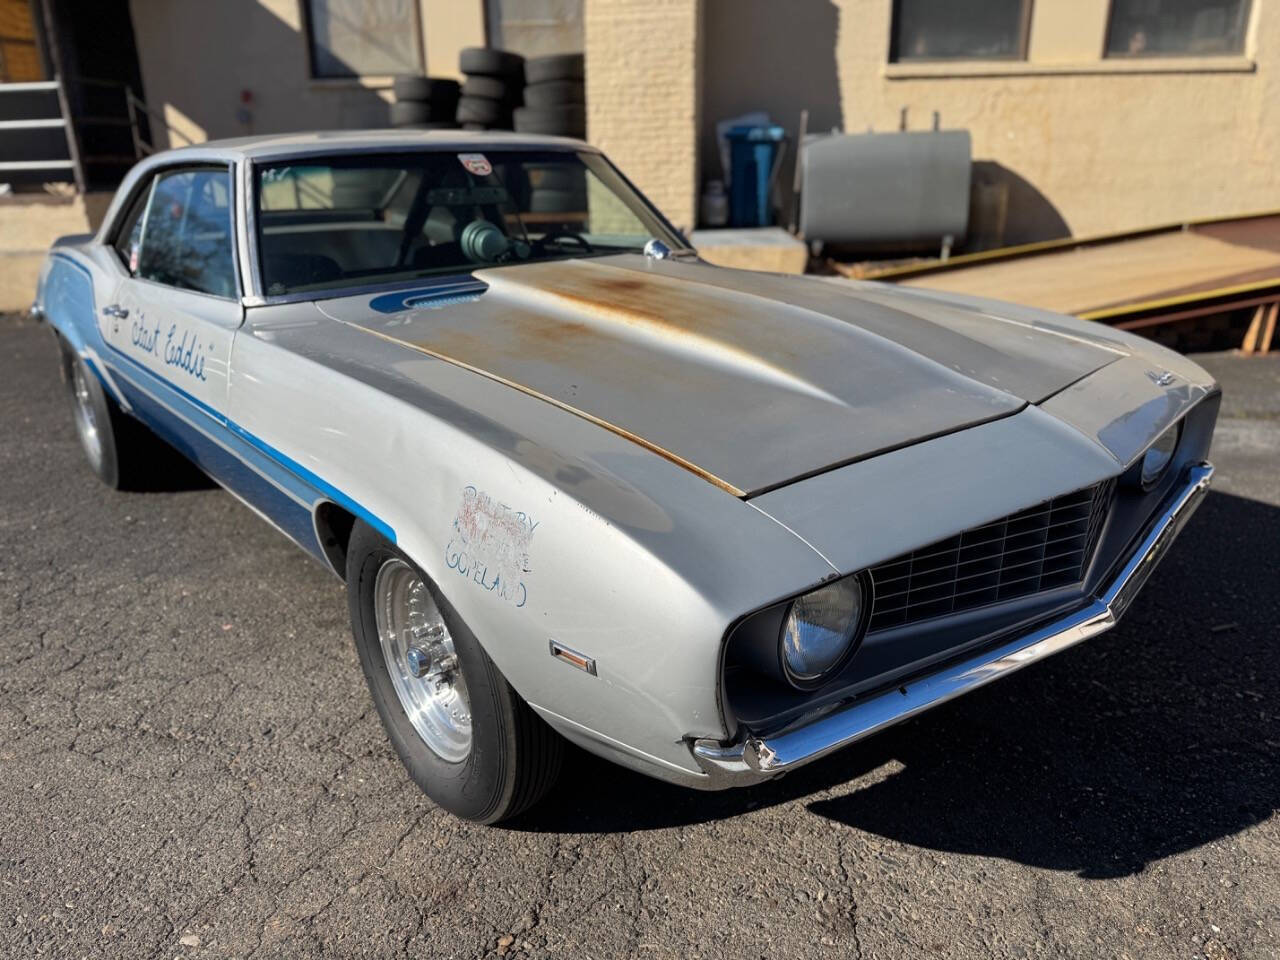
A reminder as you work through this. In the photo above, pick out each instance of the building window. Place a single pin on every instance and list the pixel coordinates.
(20, 59)
(959, 30)
(1156, 28)
(363, 38)
(535, 28)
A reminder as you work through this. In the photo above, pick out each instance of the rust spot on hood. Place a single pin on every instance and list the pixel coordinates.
(671, 315)
(568, 408)
(557, 332)
(632, 301)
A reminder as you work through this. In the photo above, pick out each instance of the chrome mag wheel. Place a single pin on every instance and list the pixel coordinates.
(86, 415)
(421, 661)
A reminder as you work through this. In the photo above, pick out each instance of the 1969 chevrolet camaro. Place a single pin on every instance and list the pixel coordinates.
(711, 524)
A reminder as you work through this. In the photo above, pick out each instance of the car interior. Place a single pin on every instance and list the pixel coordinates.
(329, 223)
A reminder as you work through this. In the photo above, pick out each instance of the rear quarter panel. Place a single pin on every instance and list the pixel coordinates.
(76, 278)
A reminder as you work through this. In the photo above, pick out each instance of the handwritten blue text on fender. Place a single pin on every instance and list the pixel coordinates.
(181, 350)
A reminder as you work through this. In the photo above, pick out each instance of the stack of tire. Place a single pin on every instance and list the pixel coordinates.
(491, 90)
(554, 97)
(424, 103)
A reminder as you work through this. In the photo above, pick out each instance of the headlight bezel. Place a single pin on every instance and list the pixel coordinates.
(1138, 474)
(855, 633)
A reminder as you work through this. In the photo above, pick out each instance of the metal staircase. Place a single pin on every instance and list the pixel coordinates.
(44, 140)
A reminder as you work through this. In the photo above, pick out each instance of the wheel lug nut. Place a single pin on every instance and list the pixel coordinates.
(418, 661)
(428, 634)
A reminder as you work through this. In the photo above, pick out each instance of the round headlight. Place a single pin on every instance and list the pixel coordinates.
(1158, 456)
(819, 631)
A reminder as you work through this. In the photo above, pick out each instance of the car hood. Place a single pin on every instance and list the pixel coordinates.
(750, 380)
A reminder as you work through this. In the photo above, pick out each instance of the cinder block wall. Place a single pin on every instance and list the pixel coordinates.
(29, 223)
(644, 77)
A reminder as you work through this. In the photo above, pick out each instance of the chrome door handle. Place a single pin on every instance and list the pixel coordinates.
(115, 310)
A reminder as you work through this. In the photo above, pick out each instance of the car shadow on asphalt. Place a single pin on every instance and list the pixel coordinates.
(1151, 740)
(168, 471)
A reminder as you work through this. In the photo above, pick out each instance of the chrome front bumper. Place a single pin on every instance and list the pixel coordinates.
(760, 757)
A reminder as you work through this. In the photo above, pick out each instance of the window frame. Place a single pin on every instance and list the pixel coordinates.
(143, 193)
(313, 74)
(1109, 26)
(1021, 56)
(147, 184)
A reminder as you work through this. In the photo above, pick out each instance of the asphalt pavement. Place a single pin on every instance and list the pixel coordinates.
(190, 765)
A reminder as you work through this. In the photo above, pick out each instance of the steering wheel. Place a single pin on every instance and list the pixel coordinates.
(552, 235)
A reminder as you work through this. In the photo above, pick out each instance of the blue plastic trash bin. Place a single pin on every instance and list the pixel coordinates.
(753, 150)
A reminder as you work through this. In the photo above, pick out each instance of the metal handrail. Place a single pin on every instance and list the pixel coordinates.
(134, 103)
(135, 108)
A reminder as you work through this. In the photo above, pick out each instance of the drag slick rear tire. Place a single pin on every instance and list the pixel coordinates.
(120, 450)
(462, 732)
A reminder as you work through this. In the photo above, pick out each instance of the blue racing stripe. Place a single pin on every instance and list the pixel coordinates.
(230, 469)
(328, 489)
(271, 480)
(316, 483)
(444, 293)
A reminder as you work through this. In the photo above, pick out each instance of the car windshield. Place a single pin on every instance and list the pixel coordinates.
(335, 222)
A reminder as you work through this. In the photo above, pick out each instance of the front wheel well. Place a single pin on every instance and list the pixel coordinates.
(333, 531)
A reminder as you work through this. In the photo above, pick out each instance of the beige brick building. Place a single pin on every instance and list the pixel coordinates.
(1089, 134)
(1089, 141)
(1091, 115)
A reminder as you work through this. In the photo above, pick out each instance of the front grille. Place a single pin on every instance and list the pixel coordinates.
(1037, 549)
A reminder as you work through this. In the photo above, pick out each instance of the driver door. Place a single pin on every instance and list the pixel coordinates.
(176, 312)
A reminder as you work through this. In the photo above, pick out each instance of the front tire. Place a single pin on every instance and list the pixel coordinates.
(465, 736)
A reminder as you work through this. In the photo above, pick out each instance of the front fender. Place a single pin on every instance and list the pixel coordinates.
(588, 539)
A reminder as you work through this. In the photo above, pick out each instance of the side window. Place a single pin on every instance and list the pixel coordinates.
(187, 242)
(128, 240)
(960, 30)
(1189, 28)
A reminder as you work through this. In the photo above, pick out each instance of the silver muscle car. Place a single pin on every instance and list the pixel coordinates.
(581, 485)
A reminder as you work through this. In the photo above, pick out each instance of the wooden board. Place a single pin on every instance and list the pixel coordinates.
(1121, 272)
(1262, 329)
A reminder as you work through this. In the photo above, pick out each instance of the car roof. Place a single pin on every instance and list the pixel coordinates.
(284, 145)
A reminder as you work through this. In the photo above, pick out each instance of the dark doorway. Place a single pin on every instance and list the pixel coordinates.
(91, 47)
